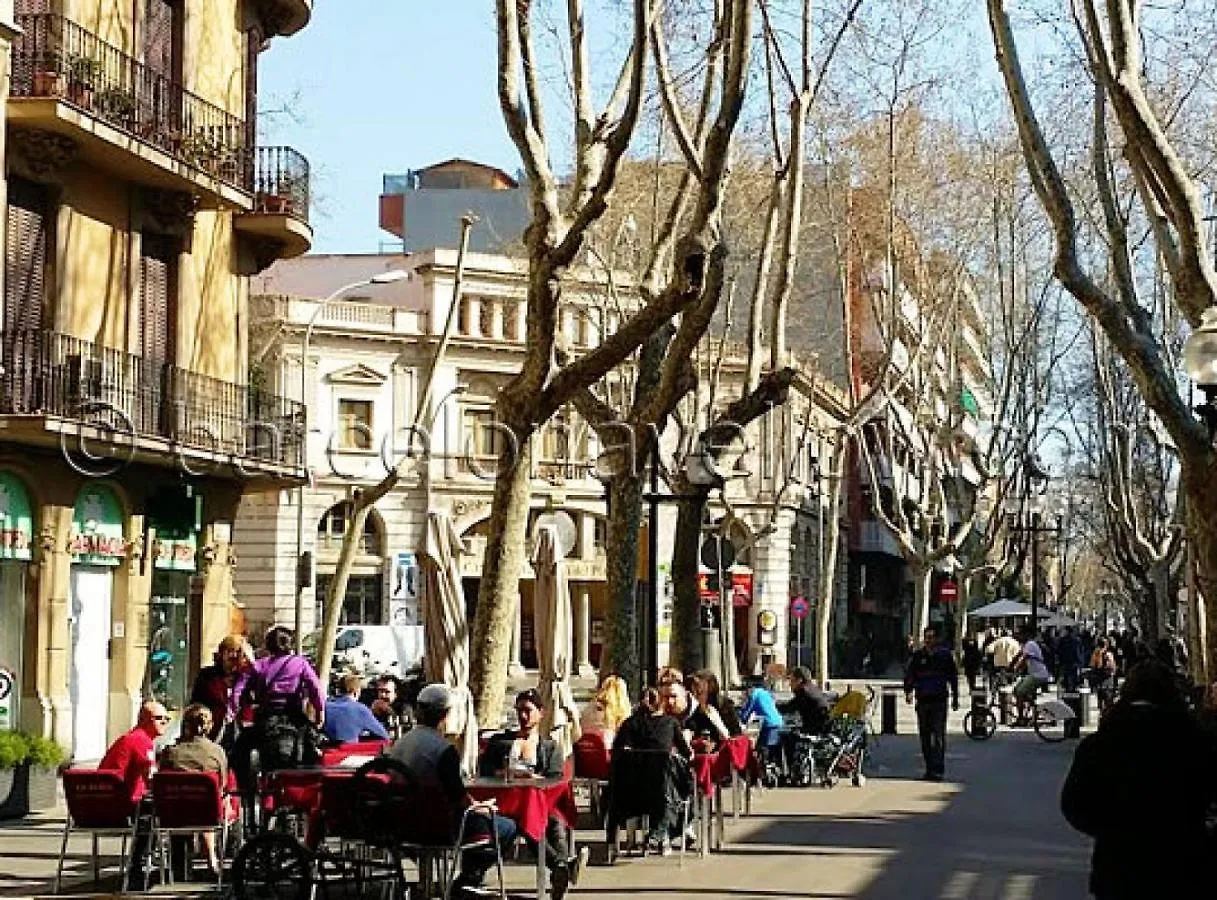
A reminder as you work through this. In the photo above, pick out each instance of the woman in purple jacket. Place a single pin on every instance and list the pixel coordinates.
(288, 705)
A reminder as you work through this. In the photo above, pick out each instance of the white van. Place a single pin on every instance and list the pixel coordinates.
(374, 649)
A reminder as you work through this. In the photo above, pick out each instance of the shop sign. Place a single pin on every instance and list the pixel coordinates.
(16, 519)
(177, 554)
(741, 589)
(97, 528)
(405, 589)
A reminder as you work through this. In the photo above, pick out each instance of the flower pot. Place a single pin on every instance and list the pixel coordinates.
(48, 84)
(15, 792)
(81, 95)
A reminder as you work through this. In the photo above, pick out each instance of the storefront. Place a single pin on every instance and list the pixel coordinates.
(16, 542)
(98, 546)
(167, 674)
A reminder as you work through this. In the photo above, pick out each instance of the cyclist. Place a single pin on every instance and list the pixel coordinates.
(1030, 661)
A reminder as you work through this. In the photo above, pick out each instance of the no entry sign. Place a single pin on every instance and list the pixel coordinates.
(948, 592)
(799, 607)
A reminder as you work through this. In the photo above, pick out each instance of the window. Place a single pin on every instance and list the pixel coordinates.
(482, 433)
(158, 265)
(355, 424)
(333, 527)
(362, 604)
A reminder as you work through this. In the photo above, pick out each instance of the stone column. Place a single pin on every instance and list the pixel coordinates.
(475, 316)
(515, 668)
(496, 318)
(582, 601)
(52, 715)
(521, 321)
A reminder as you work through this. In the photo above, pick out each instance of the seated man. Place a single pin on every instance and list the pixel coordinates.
(196, 752)
(434, 761)
(1030, 661)
(523, 753)
(346, 719)
(808, 701)
(133, 756)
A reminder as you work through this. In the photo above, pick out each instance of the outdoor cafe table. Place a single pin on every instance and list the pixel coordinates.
(731, 759)
(529, 803)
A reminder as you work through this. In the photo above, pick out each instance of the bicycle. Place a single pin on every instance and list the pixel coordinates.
(1049, 721)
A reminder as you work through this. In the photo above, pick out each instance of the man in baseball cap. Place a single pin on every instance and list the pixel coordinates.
(434, 761)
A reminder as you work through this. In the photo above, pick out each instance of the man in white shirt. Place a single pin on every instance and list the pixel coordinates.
(1004, 651)
(1031, 662)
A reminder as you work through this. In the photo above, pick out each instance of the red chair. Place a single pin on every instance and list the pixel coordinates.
(98, 803)
(187, 803)
(335, 756)
(593, 766)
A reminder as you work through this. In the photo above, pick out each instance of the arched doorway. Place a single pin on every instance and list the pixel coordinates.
(364, 603)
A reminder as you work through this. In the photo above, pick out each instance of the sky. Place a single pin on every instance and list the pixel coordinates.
(376, 87)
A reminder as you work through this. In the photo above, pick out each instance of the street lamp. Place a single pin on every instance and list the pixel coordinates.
(1035, 484)
(389, 277)
(1200, 364)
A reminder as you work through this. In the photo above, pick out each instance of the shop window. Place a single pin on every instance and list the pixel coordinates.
(333, 528)
(355, 424)
(363, 603)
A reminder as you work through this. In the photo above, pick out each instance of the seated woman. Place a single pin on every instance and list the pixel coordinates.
(608, 709)
(524, 753)
(713, 715)
(651, 728)
(760, 704)
(196, 752)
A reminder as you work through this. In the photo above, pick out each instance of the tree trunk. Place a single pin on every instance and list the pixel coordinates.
(338, 590)
(1201, 490)
(621, 653)
(729, 676)
(1160, 578)
(828, 567)
(961, 613)
(684, 645)
(921, 610)
(499, 592)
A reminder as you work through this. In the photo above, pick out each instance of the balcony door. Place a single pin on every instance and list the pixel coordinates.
(158, 267)
(162, 53)
(26, 280)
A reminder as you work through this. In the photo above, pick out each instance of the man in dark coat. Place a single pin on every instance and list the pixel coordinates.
(1069, 659)
(1148, 822)
(930, 677)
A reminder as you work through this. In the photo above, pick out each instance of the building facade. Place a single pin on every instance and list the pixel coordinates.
(365, 372)
(137, 206)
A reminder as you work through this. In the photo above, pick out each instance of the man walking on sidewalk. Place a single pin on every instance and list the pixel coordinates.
(930, 676)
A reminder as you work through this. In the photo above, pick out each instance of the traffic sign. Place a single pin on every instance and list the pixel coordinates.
(948, 592)
(710, 550)
(799, 607)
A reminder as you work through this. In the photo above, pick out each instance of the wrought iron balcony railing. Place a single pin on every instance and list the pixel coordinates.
(55, 57)
(281, 182)
(132, 397)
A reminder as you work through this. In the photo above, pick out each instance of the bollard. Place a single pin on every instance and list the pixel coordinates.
(980, 714)
(1007, 705)
(888, 716)
(1073, 727)
(1084, 719)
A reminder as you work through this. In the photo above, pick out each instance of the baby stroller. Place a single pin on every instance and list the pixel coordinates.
(796, 767)
(841, 752)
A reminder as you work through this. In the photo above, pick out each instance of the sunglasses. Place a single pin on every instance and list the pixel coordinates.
(160, 718)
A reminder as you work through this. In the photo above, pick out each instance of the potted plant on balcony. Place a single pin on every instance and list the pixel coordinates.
(48, 75)
(118, 106)
(83, 74)
(28, 773)
(201, 149)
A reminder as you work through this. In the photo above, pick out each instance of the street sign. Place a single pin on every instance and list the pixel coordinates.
(948, 592)
(710, 553)
(799, 607)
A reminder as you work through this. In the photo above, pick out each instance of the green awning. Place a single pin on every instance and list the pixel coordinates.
(968, 402)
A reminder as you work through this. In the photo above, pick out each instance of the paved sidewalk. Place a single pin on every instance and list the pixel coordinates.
(991, 832)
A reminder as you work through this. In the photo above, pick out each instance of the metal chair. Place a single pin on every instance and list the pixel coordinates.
(641, 785)
(98, 803)
(593, 767)
(187, 804)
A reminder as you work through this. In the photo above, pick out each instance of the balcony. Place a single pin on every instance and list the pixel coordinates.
(281, 202)
(874, 537)
(57, 390)
(124, 116)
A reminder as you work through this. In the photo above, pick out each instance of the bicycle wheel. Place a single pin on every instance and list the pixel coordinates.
(272, 866)
(986, 727)
(1049, 726)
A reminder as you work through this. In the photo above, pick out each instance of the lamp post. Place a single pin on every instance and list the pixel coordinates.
(389, 277)
(1035, 483)
(1200, 364)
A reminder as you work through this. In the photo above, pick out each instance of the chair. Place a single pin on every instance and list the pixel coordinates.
(100, 804)
(593, 768)
(642, 784)
(387, 798)
(334, 756)
(187, 803)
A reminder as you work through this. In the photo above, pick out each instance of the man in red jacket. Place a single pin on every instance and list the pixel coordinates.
(133, 756)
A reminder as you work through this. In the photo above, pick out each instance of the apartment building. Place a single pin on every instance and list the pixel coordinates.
(368, 359)
(138, 204)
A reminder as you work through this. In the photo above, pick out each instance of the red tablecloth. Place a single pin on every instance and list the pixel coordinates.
(702, 767)
(734, 755)
(529, 805)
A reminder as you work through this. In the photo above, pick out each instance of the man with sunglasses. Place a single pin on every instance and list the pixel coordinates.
(132, 756)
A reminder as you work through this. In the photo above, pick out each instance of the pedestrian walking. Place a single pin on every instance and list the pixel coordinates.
(930, 678)
(971, 661)
(1069, 659)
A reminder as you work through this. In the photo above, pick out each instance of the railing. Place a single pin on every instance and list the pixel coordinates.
(55, 57)
(281, 182)
(45, 373)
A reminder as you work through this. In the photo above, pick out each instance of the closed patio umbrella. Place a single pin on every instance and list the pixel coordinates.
(551, 604)
(446, 631)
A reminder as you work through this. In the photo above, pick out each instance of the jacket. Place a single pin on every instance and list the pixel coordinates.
(498, 752)
(932, 674)
(812, 707)
(1147, 822)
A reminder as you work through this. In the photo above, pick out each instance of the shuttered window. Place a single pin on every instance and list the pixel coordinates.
(26, 256)
(158, 296)
(162, 38)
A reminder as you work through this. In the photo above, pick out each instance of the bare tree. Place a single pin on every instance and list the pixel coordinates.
(1112, 37)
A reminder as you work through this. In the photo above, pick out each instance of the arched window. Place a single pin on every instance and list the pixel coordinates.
(332, 529)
